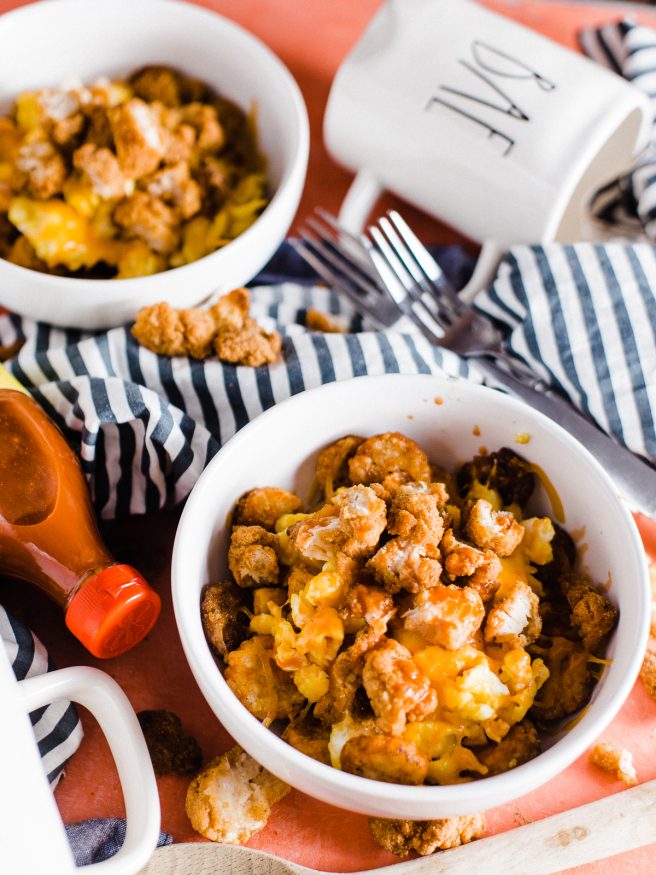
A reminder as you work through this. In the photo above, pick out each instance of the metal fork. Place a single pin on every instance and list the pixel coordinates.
(379, 275)
(389, 273)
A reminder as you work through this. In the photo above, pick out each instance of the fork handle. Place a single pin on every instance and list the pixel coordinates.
(635, 479)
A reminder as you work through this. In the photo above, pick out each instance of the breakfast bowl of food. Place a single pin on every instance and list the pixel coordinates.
(149, 151)
(410, 596)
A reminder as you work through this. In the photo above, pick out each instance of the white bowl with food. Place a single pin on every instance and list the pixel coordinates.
(113, 197)
(400, 693)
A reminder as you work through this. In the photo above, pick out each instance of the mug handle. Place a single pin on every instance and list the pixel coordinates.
(102, 696)
(358, 203)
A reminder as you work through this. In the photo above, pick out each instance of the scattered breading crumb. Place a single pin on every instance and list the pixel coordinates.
(616, 760)
(225, 328)
(426, 836)
(316, 320)
(648, 672)
(231, 798)
(169, 748)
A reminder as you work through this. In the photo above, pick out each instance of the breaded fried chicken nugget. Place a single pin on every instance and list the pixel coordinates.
(231, 799)
(426, 836)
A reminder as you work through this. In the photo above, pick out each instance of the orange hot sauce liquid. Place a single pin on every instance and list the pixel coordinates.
(49, 536)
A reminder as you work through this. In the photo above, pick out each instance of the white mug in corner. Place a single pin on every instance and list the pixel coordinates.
(32, 837)
(490, 127)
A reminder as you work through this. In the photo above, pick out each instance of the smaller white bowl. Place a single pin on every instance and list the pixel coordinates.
(44, 44)
(451, 420)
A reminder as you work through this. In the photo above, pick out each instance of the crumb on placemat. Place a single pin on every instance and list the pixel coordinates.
(617, 761)
(231, 799)
(400, 837)
(170, 748)
(316, 320)
(225, 329)
(648, 672)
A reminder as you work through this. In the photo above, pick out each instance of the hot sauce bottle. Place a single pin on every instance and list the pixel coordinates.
(49, 536)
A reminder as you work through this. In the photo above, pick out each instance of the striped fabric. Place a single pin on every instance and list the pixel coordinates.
(628, 203)
(584, 318)
(146, 425)
(57, 727)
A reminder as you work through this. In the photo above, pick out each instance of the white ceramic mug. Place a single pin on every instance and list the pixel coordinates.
(32, 837)
(492, 128)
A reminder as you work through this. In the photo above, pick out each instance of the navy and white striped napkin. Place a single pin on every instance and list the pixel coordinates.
(56, 727)
(629, 49)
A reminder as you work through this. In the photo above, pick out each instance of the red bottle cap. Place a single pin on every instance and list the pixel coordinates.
(113, 611)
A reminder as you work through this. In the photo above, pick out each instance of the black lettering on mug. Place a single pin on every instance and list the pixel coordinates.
(492, 131)
(496, 63)
(509, 107)
(514, 69)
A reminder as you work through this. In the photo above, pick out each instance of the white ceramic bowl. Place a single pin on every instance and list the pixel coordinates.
(45, 43)
(279, 448)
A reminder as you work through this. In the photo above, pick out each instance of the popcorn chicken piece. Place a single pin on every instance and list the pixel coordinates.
(137, 136)
(593, 616)
(352, 523)
(397, 689)
(569, 684)
(100, 166)
(616, 760)
(426, 836)
(262, 507)
(520, 745)
(416, 514)
(327, 323)
(231, 799)
(514, 619)
(332, 463)
(176, 187)
(203, 118)
(482, 567)
(231, 310)
(345, 678)
(388, 454)
(648, 672)
(252, 557)
(373, 605)
(403, 563)
(496, 530)
(99, 131)
(157, 83)
(446, 615)
(310, 736)
(167, 331)
(251, 345)
(224, 622)
(384, 758)
(66, 131)
(260, 685)
(149, 219)
(43, 168)
(178, 141)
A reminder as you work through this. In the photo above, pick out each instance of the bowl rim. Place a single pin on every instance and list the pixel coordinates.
(507, 785)
(298, 163)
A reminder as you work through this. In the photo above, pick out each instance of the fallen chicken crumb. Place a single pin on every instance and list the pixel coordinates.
(617, 761)
(648, 672)
(225, 329)
(426, 836)
(170, 749)
(231, 798)
(316, 320)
